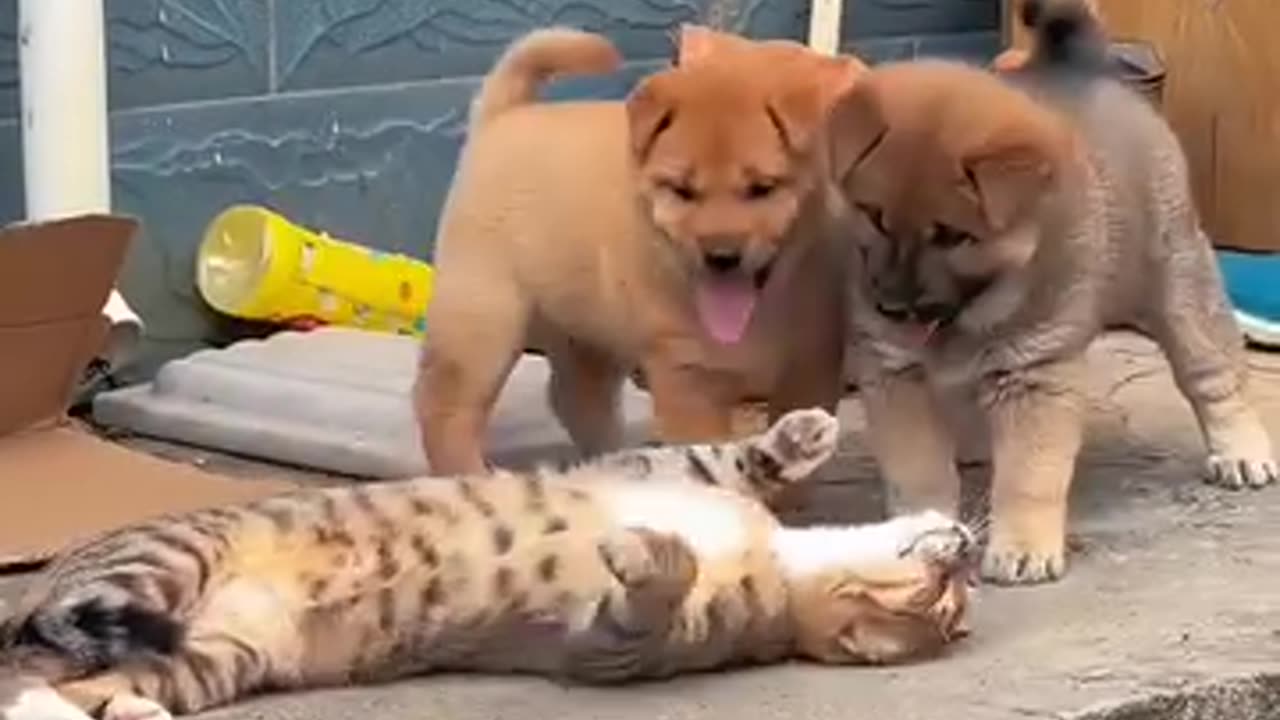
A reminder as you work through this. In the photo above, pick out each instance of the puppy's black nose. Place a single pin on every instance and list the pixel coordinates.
(722, 261)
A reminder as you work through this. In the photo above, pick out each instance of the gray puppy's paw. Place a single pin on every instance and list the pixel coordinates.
(1237, 473)
(1240, 453)
(1004, 565)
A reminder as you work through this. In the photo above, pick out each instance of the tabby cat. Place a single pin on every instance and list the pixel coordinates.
(640, 564)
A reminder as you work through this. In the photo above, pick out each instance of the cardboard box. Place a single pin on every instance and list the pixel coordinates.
(58, 482)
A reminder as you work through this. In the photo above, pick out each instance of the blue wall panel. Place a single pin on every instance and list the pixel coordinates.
(11, 197)
(170, 51)
(8, 59)
(329, 43)
(348, 114)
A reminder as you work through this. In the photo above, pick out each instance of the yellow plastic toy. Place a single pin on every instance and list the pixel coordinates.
(255, 264)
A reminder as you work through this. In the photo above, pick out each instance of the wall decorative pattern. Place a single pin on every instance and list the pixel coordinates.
(348, 114)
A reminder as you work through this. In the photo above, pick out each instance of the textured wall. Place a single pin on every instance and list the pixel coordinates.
(347, 114)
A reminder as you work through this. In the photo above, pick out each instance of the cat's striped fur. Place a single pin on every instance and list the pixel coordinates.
(640, 564)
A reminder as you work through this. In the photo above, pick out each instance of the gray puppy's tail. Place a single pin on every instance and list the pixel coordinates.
(1068, 35)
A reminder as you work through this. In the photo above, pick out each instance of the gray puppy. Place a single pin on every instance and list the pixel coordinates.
(1001, 227)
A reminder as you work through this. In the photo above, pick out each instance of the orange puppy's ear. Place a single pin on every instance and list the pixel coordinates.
(796, 114)
(837, 76)
(800, 110)
(1010, 60)
(1008, 179)
(699, 42)
(650, 109)
(856, 126)
(696, 42)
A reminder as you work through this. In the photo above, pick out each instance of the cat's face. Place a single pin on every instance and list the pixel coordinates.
(873, 623)
(895, 609)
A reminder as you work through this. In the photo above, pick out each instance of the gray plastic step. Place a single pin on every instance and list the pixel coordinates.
(333, 399)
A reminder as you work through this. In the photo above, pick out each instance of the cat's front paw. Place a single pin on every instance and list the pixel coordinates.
(132, 707)
(800, 441)
(21, 699)
(936, 539)
(647, 561)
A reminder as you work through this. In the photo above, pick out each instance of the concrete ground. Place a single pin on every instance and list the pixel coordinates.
(1169, 610)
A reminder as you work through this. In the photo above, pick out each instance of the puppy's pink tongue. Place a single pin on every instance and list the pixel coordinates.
(922, 333)
(725, 306)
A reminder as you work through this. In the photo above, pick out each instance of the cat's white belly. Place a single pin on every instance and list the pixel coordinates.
(711, 522)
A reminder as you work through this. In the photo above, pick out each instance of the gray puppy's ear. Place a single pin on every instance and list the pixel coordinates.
(856, 126)
(1008, 178)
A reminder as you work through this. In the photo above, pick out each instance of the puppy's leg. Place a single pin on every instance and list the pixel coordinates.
(912, 443)
(586, 394)
(690, 404)
(474, 335)
(813, 359)
(817, 381)
(1037, 422)
(1194, 326)
(750, 418)
(806, 384)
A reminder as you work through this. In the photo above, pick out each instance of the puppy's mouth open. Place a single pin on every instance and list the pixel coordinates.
(925, 323)
(922, 323)
(921, 326)
(925, 331)
(726, 302)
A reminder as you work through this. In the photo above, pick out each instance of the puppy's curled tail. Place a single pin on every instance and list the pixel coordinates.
(533, 60)
(1068, 34)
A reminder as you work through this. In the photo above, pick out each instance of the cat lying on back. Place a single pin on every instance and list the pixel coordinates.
(641, 564)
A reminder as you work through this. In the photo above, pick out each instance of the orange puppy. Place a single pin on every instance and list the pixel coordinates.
(682, 233)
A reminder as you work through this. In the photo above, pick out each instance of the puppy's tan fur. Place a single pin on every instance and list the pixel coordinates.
(579, 228)
(1000, 230)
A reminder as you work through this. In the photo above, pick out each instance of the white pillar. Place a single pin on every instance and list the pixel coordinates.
(62, 56)
(66, 152)
(824, 25)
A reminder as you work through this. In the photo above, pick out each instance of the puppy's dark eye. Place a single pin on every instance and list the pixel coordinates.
(682, 190)
(945, 237)
(875, 215)
(761, 189)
